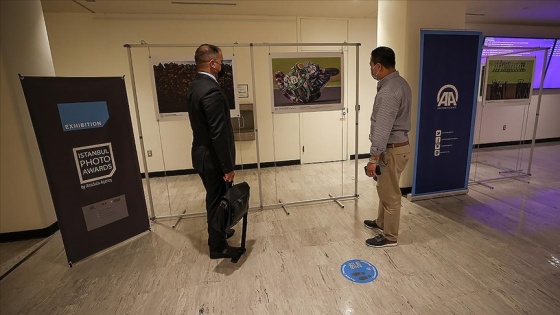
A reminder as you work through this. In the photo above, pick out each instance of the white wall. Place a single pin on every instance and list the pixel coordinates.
(519, 120)
(26, 202)
(92, 45)
(491, 119)
(364, 32)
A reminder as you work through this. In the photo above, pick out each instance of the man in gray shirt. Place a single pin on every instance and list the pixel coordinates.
(390, 149)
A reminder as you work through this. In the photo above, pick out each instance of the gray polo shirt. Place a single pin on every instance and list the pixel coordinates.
(390, 119)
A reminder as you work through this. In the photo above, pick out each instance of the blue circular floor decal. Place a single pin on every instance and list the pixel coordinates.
(359, 271)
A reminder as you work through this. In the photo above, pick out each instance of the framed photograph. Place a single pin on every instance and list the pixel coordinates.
(171, 78)
(307, 82)
(508, 80)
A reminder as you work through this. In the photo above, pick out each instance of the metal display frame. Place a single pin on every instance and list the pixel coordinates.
(507, 173)
(261, 206)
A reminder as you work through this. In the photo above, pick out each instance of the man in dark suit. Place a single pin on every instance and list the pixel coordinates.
(213, 147)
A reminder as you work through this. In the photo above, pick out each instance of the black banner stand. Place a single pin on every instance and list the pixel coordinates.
(85, 137)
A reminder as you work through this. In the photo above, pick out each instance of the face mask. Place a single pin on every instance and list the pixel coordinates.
(375, 76)
(222, 71)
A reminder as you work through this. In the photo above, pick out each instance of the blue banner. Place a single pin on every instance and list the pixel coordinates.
(84, 115)
(449, 74)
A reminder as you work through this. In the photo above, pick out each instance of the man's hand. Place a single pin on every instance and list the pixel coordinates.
(229, 176)
(370, 169)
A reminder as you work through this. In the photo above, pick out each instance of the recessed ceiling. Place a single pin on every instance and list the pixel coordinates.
(517, 12)
(342, 8)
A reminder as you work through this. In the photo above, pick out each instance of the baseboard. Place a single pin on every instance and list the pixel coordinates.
(170, 173)
(483, 145)
(360, 156)
(268, 164)
(405, 191)
(509, 143)
(28, 235)
(237, 167)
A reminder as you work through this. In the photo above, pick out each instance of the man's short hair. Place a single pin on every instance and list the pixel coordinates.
(205, 53)
(385, 56)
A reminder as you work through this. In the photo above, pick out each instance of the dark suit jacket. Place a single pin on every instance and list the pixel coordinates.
(213, 147)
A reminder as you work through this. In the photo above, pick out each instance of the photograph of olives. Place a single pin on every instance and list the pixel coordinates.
(172, 80)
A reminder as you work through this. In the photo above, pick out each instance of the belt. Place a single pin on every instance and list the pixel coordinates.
(396, 145)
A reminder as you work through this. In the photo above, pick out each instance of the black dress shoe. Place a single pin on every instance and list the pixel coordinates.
(229, 233)
(228, 252)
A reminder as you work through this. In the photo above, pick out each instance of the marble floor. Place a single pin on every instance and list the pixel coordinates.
(495, 250)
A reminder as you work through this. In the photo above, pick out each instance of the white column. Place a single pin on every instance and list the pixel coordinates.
(26, 203)
(398, 26)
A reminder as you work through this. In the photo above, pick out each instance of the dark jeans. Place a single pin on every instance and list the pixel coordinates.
(215, 189)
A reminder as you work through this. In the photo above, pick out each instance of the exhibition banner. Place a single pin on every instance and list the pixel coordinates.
(449, 74)
(509, 80)
(85, 137)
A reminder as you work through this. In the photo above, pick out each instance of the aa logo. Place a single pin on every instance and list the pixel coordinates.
(447, 97)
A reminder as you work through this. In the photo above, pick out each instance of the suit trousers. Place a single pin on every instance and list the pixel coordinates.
(215, 189)
(391, 163)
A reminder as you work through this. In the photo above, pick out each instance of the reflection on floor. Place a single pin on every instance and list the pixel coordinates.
(493, 251)
(174, 194)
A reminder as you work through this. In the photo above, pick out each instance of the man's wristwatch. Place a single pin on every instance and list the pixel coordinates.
(374, 161)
